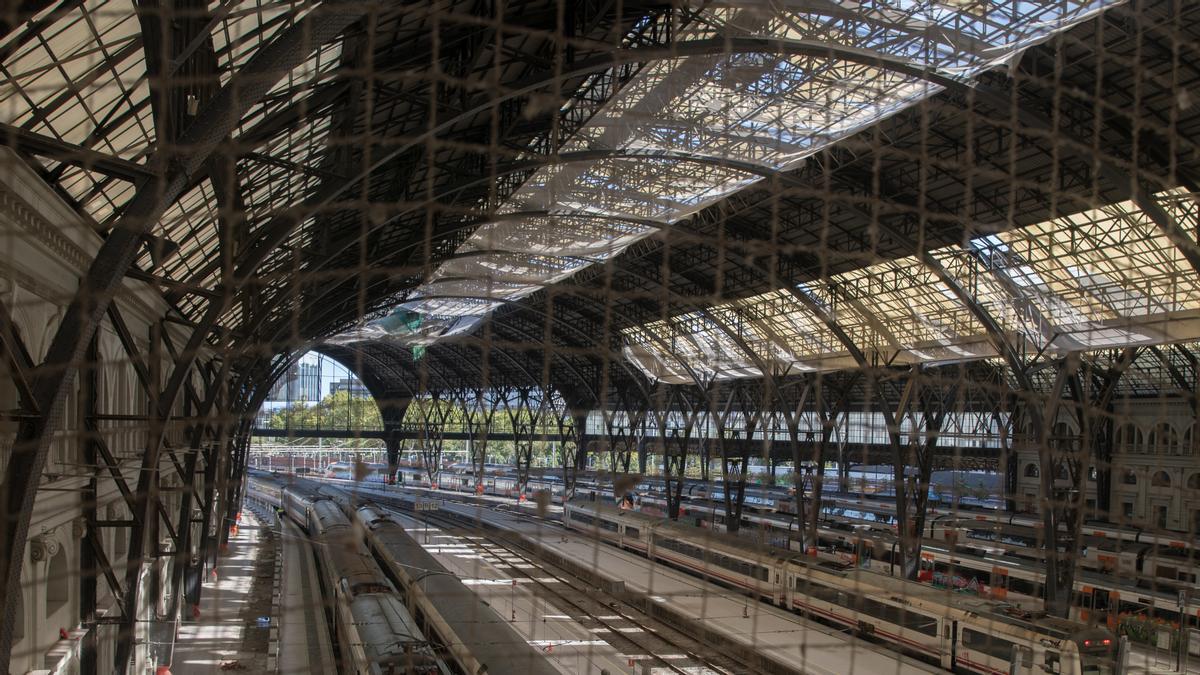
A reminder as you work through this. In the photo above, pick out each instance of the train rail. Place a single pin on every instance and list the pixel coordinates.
(382, 626)
(972, 550)
(650, 638)
(774, 639)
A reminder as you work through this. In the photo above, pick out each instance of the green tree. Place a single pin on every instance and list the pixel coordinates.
(338, 411)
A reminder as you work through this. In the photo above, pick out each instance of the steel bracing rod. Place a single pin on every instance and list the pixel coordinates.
(188, 475)
(89, 571)
(148, 507)
(55, 376)
(77, 155)
(189, 389)
(147, 504)
(130, 346)
(1181, 381)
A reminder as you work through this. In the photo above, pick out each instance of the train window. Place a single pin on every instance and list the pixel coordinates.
(582, 518)
(898, 616)
(608, 525)
(632, 531)
(987, 644)
(818, 591)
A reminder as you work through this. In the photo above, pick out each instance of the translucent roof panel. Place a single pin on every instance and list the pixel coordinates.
(688, 131)
(575, 236)
(191, 224)
(248, 25)
(1105, 277)
(82, 80)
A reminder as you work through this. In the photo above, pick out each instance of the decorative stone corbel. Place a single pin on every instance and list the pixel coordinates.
(44, 546)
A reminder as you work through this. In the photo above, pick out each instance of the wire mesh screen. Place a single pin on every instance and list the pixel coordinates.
(599, 336)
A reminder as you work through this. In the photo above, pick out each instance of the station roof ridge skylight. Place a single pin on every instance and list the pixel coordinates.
(747, 108)
(1102, 278)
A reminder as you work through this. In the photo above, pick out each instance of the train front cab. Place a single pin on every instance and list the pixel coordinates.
(980, 649)
(1097, 651)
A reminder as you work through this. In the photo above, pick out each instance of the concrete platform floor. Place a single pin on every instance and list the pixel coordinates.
(226, 638)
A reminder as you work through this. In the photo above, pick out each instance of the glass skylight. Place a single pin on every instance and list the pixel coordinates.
(1104, 277)
(692, 130)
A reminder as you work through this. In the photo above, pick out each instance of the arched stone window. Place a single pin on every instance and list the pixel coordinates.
(1194, 481)
(1165, 439)
(1129, 436)
(1160, 479)
(1130, 478)
(1031, 470)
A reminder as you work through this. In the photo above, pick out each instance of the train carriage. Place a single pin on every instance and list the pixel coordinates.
(375, 632)
(952, 630)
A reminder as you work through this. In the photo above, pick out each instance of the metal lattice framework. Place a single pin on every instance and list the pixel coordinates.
(716, 229)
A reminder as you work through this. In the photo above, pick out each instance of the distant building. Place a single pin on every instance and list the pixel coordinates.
(350, 384)
(308, 382)
(301, 382)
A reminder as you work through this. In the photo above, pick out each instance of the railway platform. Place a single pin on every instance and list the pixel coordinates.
(225, 636)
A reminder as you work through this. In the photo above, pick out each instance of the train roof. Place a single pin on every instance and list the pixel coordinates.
(662, 526)
(900, 590)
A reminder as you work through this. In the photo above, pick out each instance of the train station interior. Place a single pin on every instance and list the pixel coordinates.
(599, 336)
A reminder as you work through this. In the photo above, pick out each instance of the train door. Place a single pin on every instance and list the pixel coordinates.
(1085, 603)
(949, 644)
(1112, 608)
(864, 551)
(925, 574)
(999, 583)
(1098, 605)
(781, 585)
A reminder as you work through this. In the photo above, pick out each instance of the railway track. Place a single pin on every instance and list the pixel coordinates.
(600, 609)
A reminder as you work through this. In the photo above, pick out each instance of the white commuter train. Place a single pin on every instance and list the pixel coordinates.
(1109, 582)
(955, 631)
